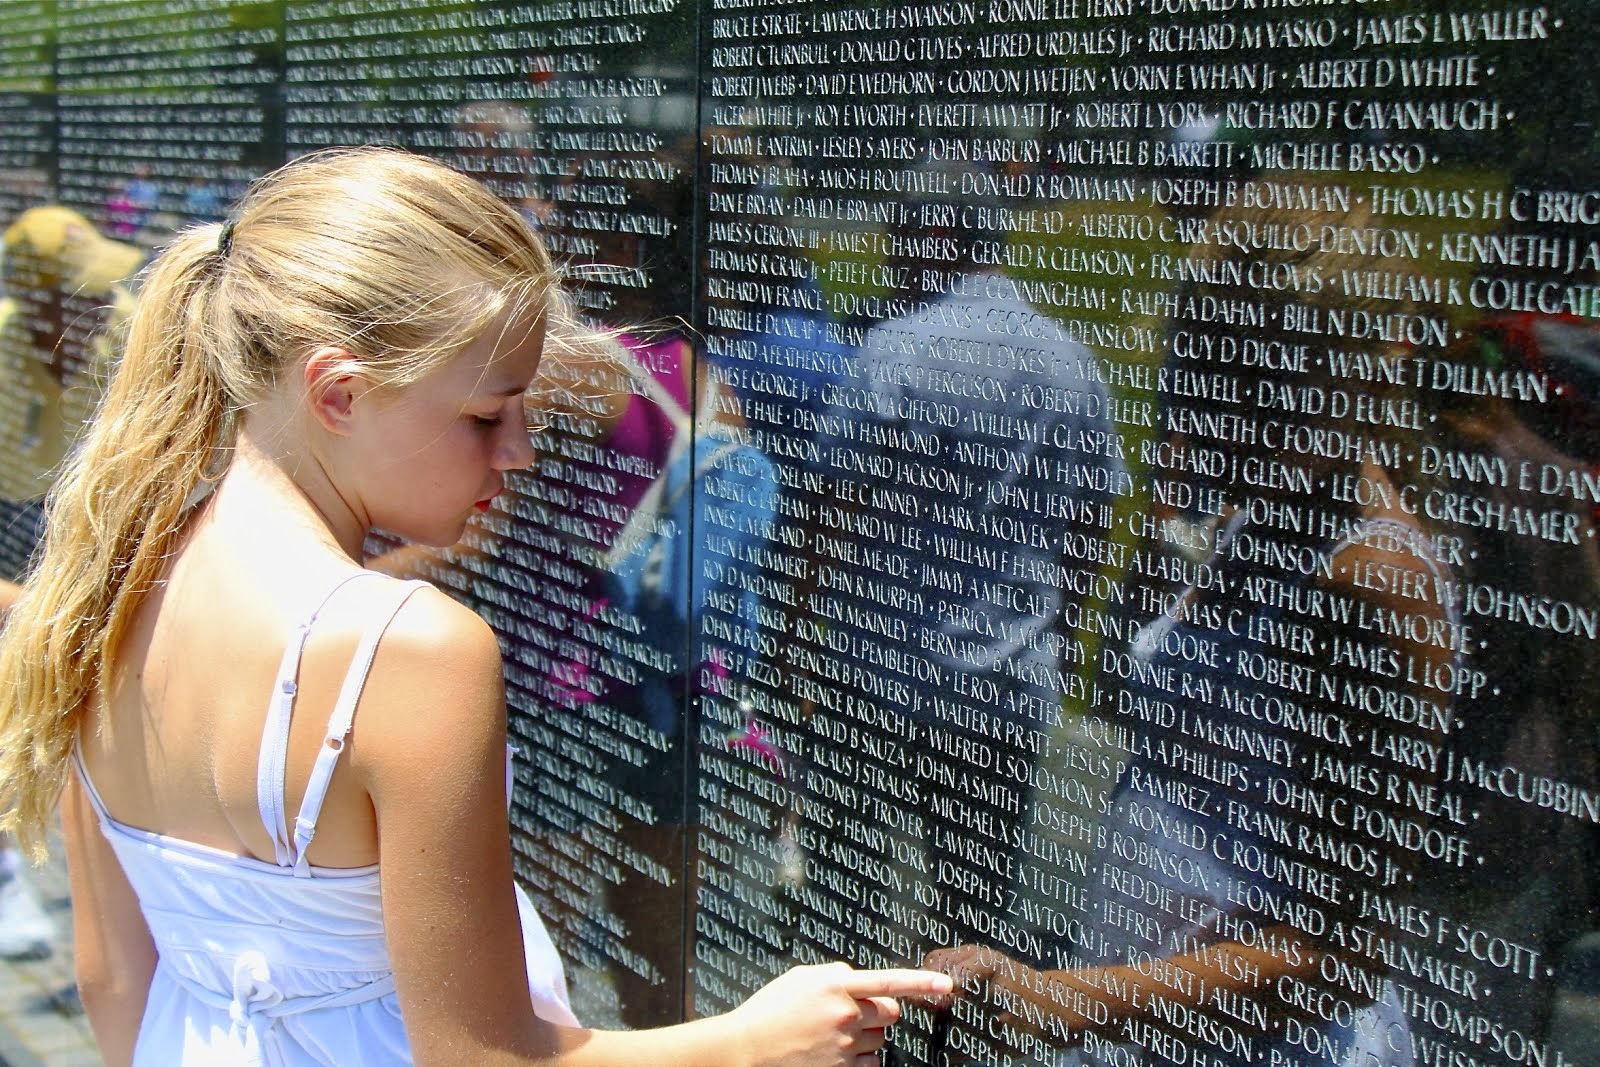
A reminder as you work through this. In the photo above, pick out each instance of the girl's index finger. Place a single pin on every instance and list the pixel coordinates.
(902, 982)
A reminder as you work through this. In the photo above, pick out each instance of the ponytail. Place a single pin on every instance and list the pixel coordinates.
(111, 522)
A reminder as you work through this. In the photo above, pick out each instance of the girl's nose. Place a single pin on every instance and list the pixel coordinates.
(516, 451)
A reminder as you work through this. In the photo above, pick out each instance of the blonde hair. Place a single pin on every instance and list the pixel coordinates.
(395, 258)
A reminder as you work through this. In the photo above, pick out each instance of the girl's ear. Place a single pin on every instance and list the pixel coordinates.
(332, 388)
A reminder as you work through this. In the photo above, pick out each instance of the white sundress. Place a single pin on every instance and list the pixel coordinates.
(282, 964)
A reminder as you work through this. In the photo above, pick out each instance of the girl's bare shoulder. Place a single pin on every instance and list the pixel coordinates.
(435, 687)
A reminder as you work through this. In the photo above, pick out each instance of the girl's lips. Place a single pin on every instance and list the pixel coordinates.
(483, 505)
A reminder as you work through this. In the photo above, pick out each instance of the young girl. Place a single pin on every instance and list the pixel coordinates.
(199, 637)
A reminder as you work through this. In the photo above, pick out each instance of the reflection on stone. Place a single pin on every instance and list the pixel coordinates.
(1099, 492)
(1250, 794)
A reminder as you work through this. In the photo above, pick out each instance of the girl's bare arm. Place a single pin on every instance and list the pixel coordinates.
(430, 748)
(113, 952)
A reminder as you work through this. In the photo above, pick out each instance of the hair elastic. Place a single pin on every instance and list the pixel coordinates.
(225, 239)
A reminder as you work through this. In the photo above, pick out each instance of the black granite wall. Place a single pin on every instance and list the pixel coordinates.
(1104, 490)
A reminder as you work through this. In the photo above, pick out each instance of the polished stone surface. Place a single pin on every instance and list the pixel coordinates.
(1108, 484)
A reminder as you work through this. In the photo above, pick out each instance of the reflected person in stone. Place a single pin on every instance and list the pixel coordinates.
(62, 295)
(1224, 904)
(956, 369)
(351, 351)
(65, 293)
(1525, 440)
(946, 382)
(635, 407)
(495, 145)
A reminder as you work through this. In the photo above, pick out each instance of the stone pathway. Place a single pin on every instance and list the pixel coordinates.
(33, 1031)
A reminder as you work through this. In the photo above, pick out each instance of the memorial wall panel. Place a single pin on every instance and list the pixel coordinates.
(1099, 495)
(27, 167)
(1160, 395)
(27, 107)
(165, 109)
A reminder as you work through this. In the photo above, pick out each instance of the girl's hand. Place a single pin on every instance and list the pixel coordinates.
(830, 1015)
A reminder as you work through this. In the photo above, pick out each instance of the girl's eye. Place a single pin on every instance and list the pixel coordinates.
(487, 422)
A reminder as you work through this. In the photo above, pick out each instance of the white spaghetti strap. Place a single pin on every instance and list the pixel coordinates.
(88, 786)
(270, 766)
(305, 823)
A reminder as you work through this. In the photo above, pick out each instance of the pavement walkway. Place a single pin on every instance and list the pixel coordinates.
(34, 1030)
